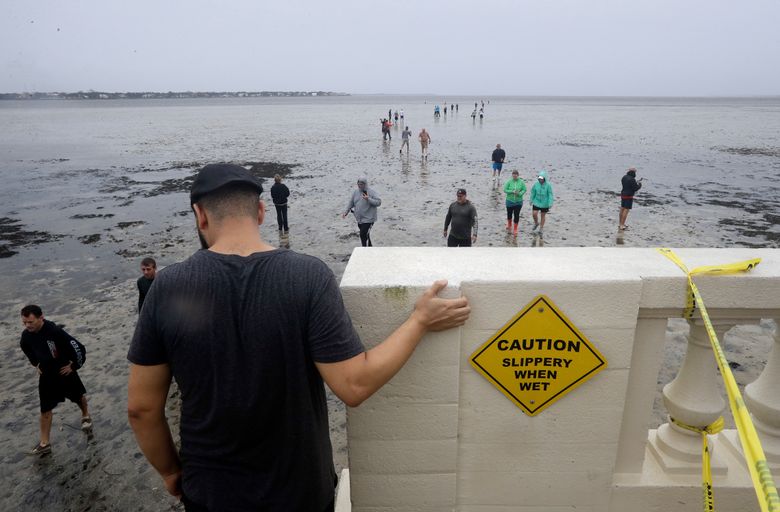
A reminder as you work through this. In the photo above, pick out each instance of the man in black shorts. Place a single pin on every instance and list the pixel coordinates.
(56, 357)
(463, 216)
(498, 157)
(630, 187)
(250, 333)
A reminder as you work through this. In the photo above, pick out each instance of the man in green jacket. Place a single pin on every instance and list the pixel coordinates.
(541, 200)
(515, 191)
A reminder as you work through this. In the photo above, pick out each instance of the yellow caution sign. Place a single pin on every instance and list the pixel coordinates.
(764, 485)
(537, 357)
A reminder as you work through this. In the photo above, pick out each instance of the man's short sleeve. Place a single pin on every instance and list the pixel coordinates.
(147, 347)
(331, 336)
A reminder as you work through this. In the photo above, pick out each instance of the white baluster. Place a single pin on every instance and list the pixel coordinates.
(693, 398)
(762, 398)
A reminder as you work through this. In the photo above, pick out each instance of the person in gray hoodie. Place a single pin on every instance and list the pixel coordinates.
(363, 202)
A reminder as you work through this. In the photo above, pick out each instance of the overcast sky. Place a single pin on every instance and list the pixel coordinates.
(485, 47)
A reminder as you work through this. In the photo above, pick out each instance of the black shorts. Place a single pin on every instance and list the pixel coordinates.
(626, 203)
(543, 210)
(53, 389)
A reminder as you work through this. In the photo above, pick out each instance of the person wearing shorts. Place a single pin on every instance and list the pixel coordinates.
(498, 160)
(541, 200)
(425, 139)
(630, 187)
(55, 355)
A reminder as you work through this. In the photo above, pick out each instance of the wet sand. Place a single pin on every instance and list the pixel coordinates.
(109, 473)
(75, 249)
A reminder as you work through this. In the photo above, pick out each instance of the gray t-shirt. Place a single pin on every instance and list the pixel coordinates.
(463, 218)
(241, 335)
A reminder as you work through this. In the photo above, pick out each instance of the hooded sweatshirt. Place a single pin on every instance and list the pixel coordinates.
(365, 209)
(542, 194)
(630, 185)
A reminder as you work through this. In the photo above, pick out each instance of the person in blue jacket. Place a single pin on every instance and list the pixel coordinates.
(541, 200)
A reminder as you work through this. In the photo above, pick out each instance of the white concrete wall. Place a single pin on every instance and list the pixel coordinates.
(440, 437)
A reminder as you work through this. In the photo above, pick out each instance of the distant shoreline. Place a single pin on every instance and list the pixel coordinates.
(102, 95)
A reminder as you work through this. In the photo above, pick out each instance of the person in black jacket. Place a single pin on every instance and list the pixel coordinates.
(279, 195)
(630, 187)
(498, 157)
(52, 352)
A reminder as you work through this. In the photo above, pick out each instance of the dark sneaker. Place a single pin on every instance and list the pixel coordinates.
(86, 423)
(41, 449)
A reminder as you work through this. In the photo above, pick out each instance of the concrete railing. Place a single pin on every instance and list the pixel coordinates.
(441, 437)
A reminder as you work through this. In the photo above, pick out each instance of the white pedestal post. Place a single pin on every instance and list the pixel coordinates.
(762, 398)
(693, 398)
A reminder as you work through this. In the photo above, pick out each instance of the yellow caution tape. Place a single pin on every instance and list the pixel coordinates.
(706, 472)
(763, 483)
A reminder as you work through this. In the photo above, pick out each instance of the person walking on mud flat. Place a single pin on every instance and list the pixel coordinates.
(363, 202)
(405, 136)
(498, 157)
(279, 195)
(541, 200)
(630, 187)
(56, 355)
(149, 271)
(463, 216)
(386, 130)
(251, 333)
(515, 191)
(425, 139)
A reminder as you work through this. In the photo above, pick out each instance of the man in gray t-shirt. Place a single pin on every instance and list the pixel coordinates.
(463, 216)
(405, 139)
(250, 332)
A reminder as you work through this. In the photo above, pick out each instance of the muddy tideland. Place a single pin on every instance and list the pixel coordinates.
(90, 188)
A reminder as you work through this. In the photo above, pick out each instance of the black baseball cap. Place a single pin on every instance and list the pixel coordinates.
(214, 176)
(462, 191)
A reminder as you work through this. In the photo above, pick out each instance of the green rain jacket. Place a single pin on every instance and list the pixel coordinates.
(542, 195)
(515, 191)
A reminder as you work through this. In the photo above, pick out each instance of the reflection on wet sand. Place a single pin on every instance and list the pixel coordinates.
(405, 165)
(424, 171)
(619, 237)
(284, 239)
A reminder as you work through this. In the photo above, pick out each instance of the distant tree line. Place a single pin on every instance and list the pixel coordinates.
(99, 95)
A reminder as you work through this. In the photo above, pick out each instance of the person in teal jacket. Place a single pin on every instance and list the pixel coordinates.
(515, 191)
(541, 199)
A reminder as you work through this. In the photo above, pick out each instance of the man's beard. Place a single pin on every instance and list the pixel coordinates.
(203, 243)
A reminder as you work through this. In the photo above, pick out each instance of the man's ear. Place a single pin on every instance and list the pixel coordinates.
(260, 212)
(201, 217)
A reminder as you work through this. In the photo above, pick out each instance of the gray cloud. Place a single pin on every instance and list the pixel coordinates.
(558, 47)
